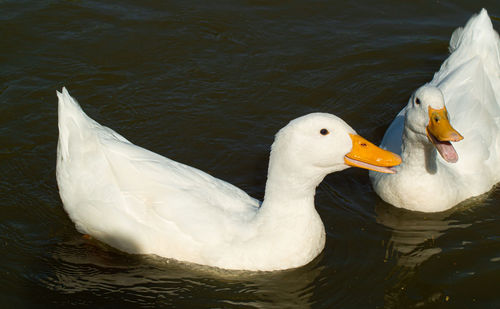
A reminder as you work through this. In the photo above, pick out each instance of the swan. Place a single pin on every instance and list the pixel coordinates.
(143, 203)
(448, 133)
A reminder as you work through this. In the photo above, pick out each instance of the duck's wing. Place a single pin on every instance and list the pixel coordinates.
(104, 179)
(207, 209)
(393, 137)
(478, 39)
(146, 174)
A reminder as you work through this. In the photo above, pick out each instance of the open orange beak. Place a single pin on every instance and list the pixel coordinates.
(439, 126)
(441, 133)
(366, 155)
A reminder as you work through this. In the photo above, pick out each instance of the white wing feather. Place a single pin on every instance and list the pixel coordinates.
(102, 175)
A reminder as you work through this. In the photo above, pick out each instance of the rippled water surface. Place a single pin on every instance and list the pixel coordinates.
(209, 84)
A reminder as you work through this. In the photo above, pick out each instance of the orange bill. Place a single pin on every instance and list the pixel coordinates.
(368, 156)
(441, 133)
(440, 128)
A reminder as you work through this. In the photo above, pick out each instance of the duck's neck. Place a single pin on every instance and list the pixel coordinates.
(289, 191)
(288, 216)
(417, 155)
(294, 232)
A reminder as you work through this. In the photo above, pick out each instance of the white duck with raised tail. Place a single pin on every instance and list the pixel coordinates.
(435, 174)
(141, 202)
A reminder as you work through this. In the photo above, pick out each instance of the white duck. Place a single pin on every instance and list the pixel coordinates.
(141, 202)
(469, 83)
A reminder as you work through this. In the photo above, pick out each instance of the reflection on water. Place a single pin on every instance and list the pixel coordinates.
(413, 235)
(412, 242)
(90, 266)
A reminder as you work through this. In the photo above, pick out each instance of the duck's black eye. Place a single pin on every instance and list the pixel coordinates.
(417, 101)
(324, 131)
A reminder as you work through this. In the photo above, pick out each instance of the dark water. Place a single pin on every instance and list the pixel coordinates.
(209, 83)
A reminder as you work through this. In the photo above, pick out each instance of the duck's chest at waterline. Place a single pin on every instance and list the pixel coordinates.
(420, 190)
(301, 236)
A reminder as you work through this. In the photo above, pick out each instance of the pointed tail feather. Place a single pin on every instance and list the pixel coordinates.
(72, 122)
(479, 37)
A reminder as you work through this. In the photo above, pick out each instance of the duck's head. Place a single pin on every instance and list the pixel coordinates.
(323, 143)
(427, 118)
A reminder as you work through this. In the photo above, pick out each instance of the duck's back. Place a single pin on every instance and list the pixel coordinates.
(139, 201)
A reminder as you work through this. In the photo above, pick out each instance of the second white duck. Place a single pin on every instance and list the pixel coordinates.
(435, 174)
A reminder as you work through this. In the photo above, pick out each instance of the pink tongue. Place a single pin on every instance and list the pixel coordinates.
(447, 151)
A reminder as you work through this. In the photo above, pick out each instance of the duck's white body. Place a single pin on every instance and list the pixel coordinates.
(141, 202)
(469, 81)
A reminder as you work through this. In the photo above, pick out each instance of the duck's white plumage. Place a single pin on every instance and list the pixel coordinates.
(141, 202)
(468, 83)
